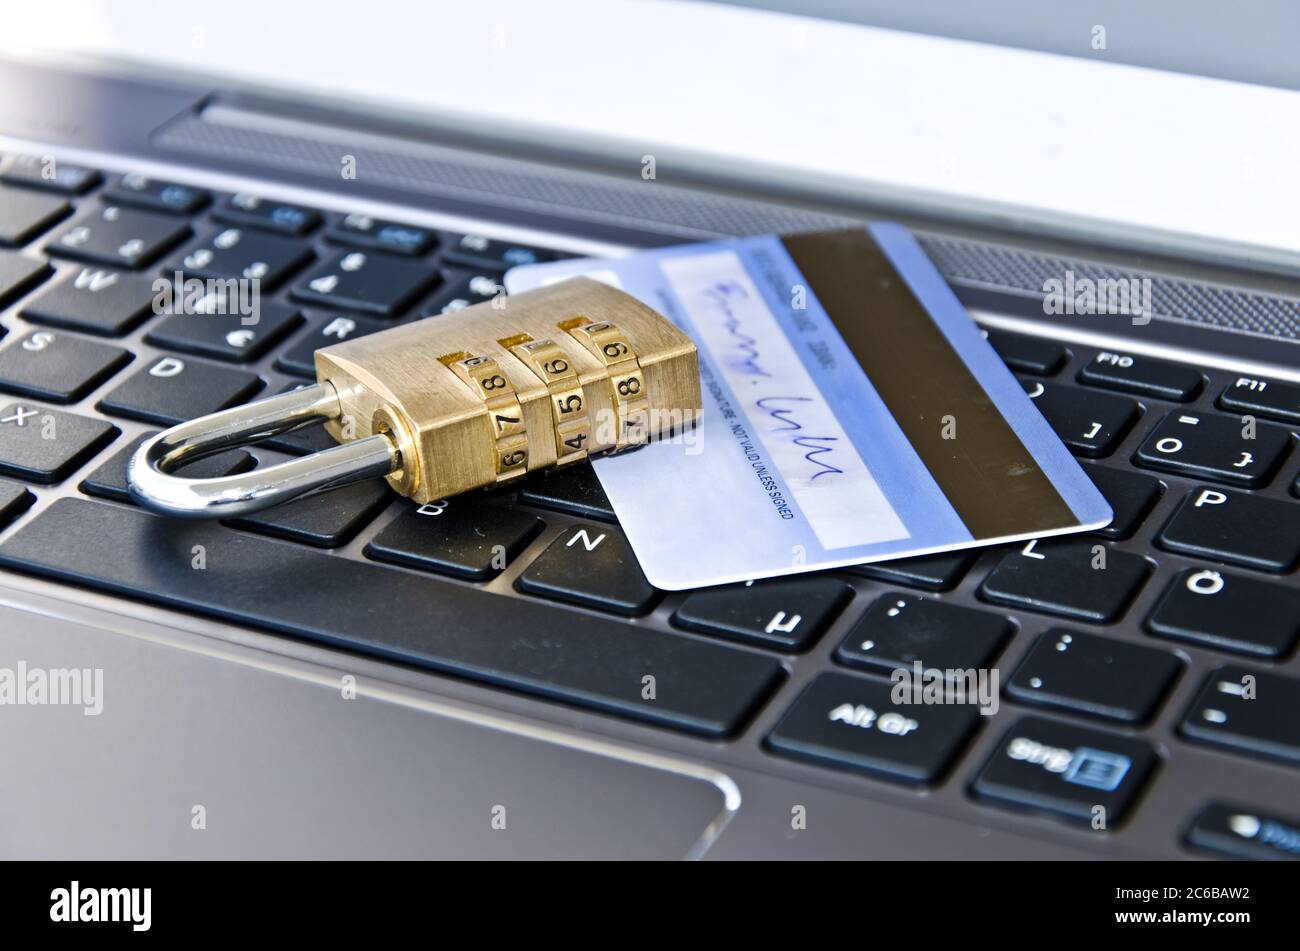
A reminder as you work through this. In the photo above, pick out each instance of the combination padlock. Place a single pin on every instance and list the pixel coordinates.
(465, 400)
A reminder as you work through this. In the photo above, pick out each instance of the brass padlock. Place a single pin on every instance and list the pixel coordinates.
(465, 400)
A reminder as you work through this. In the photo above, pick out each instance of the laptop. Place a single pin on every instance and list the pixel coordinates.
(320, 680)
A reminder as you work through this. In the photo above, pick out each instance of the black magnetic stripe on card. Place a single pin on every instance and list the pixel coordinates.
(986, 472)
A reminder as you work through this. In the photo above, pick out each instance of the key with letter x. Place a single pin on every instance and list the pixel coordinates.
(44, 445)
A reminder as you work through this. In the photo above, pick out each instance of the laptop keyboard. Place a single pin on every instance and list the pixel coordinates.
(531, 589)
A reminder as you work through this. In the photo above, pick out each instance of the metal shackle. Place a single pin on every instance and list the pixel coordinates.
(153, 484)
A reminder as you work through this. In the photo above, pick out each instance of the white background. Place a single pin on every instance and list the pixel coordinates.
(1099, 148)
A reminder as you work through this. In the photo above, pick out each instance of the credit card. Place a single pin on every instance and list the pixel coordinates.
(853, 412)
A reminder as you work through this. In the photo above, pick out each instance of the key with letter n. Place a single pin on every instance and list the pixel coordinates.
(592, 566)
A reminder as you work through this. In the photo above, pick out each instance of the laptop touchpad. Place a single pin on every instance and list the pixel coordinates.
(196, 756)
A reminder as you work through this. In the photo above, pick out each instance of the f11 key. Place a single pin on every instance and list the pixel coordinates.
(1268, 398)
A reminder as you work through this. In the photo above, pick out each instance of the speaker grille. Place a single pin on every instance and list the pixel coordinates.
(519, 185)
(446, 172)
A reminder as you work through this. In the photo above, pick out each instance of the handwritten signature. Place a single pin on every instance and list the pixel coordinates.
(720, 296)
(815, 445)
(748, 362)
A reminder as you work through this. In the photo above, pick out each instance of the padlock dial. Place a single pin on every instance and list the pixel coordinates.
(505, 416)
(632, 360)
(627, 382)
(568, 403)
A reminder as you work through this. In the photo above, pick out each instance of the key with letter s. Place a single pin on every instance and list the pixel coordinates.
(467, 400)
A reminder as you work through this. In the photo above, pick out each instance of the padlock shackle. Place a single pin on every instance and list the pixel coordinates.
(153, 485)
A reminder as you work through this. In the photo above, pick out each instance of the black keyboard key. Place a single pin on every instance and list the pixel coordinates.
(1094, 676)
(300, 442)
(1067, 770)
(1130, 373)
(266, 214)
(1214, 447)
(1028, 354)
(785, 614)
(171, 390)
(243, 255)
(1235, 528)
(1229, 612)
(1091, 424)
(465, 537)
(153, 194)
(901, 630)
(593, 566)
(1272, 399)
(94, 300)
(48, 174)
(461, 290)
(699, 686)
(24, 215)
(376, 234)
(474, 250)
(932, 572)
(574, 489)
(1068, 578)
(57, 367)
(18, 275)
(231, 335)
(1248, 712)
(373, 283)
(108, 480)
(117, 237)
(852, 723)
(14, 500)
(1131, 496)
(298, 358)
(327, 519)
(1243, 832)
(45, 445)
